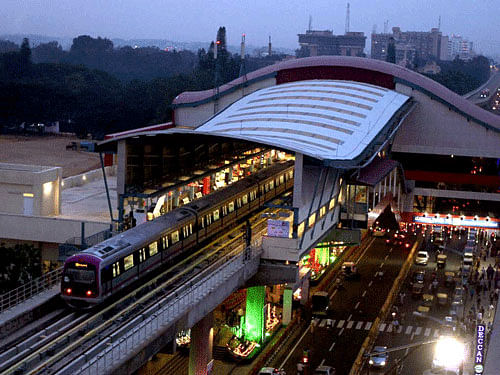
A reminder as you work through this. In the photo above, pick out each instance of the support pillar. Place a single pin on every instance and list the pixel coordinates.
(200, 352)
(297, 180)
(287, 306)
(254, 317)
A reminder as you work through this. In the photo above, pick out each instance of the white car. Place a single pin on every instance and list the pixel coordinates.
(422, 258)
(270, 371)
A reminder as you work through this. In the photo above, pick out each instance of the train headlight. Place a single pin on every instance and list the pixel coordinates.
(68, 291)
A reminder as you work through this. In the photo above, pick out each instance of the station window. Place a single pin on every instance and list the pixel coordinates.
(300, 230)
(128, 262)
(175, 237)
(312, 220)
(244, 199)
(164, 241)
(116, 269)
(322, 211)
(332, 204)
(142, 255)
(216, 215)
(153, 249)
(230, 207)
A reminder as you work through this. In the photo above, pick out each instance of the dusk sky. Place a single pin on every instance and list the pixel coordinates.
(198, 20)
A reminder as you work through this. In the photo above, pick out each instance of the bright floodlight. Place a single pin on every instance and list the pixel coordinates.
(449, 353)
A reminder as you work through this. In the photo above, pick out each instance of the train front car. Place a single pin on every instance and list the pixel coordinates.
(80, 287)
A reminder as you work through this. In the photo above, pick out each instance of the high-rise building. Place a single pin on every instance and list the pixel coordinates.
(415, 47)
(316, 43)
(459, 47)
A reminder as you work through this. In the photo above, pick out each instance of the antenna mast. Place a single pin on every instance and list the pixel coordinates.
(310, 22)
(347, 18)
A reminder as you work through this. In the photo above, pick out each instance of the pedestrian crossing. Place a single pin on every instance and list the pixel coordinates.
(383, 327)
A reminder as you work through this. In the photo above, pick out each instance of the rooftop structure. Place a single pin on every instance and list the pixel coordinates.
(316, 43)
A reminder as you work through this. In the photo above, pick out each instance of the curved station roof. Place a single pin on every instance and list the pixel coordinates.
(325, 119)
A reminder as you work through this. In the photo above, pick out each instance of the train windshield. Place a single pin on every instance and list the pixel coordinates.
(80, 273)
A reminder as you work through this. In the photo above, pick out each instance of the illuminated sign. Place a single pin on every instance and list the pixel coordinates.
(480, 343)
(81, 265)
(278, 228)
(443, 220)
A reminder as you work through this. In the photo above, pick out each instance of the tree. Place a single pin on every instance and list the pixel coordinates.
(391, 51)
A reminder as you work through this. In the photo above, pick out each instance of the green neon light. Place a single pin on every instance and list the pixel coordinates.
(254, 318)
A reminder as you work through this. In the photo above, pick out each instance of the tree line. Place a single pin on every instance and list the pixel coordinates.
(101, 89)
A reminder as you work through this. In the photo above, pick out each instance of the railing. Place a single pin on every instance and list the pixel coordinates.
(174, 305)
(30, 289)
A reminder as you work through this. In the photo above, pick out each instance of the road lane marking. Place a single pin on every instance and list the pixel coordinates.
(387, 256)
(341, 331)
(333, 294)
(400, 329)
(322, 362)
(323, 322)
(349, 325)
(331, 347)
(295, 347)
(376, 274)
(389, 328)
(412, 336)
(382, 265)
(418, 330)
(390, 250)
(408, 330)
(359, 325)
(406, 351)
(350, 316)
(370, 283)
(427, 332)
(341, 323)
(368, 325)
(364, 294)
(357, 305)
(382, 326)
(315, 321)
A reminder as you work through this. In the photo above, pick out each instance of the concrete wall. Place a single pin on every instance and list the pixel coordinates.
(42, 182)
(193, 117)
(84, 178)
(434, 128)
(44, 229)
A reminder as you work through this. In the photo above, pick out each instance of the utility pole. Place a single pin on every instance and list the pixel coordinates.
(347, 18)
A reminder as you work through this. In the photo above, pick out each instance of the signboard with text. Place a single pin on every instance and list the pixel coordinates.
(480, 344)
(278, 228)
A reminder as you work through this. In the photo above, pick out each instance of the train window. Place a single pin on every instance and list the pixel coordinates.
(267, 187)
(209, 219)
(261, 190)
(252, 195)
(238, 202)
(190, 228)
(187, 230)
(282, 179)
(116, 269)
(164, 241)
(224, 211)
(175, 237)
(244, 199)
(271, 185)
(128, 262)
(142, 255)
(332, 204)
(202, 222)
(312, 220)
(322, 211)
(216, 215)
(230, 207)
(153, 249)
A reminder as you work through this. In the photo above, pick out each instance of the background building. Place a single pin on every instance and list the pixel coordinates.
(459, 47)
(316, 43)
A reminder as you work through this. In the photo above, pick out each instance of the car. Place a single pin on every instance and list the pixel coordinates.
(350, 271)
(380, 359)
(270, 371)
(422, 258)
(379, 232)
(324, 370)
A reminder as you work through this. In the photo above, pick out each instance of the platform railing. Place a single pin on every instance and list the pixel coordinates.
(172, 307)
(26, 291)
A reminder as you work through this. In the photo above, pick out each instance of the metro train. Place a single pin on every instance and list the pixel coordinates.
(95, 274)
